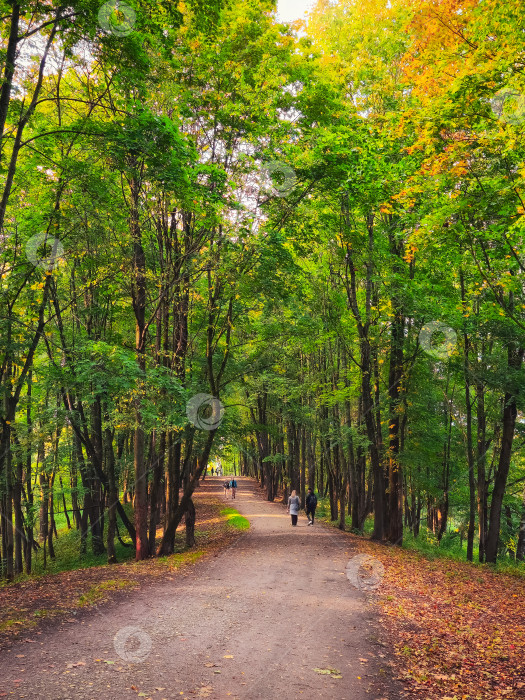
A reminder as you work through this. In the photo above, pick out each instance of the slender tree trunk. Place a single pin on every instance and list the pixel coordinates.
(29, 540)
(9, 68)
(64, 503)
(481, 453)
(166, 546)
(52, 525)
(174, 469)
(19, 516)
(155, 500)
(302, 432)
(112, 496)
(139, 307)
(7, 523)
(395, 477)
(79, 459)
(515, 358)
(470, 449)
(520, 549)
(189, 518)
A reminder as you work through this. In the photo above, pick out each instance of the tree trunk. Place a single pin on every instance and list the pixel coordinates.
(139, 307)
(189, 518)
(470, 449)
(481, 453)
(68, 521)
(515, 358)
(156, 496)
(112, 496)
(52, 525)
(29, 539)
(520, 549)
(166, 545)
(19, 516)
(395, 477)
(9, 68)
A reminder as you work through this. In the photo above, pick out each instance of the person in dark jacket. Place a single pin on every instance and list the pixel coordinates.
(311, 505)
(233, 484)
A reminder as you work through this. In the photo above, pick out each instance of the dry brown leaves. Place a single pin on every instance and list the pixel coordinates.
(458, 630)
(24, 605)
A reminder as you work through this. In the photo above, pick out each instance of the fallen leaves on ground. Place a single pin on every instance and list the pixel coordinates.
(24, 604)
(458, 629)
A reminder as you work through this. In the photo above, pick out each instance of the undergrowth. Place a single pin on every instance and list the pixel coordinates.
(452, 546)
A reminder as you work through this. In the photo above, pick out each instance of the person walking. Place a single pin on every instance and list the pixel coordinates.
(311, 505)
(293, 506)
(226, 488)
(233, 484)
(212, 471)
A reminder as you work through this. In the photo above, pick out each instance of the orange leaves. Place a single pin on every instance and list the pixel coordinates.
(440, 40)
(459, 169)
(410, 253)
(457, 629)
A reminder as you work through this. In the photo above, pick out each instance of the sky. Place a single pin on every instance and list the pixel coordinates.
(288, 10)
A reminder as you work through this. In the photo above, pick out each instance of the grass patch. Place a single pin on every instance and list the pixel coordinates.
(98, 592)
(17, 619)
(426, 543)
(235, 519)
(67, 551)
(68, 557)
(189, 556)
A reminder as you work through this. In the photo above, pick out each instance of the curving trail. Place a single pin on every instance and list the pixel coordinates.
(253, 622)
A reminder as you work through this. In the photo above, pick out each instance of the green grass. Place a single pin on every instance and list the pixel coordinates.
(68, 557)
(67, 550)
(451, 547)
(180, 558)
(16, 619)
(235, 519)
(67, 547)
(98, 592)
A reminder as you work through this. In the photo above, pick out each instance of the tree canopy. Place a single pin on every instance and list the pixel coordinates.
(297, 250)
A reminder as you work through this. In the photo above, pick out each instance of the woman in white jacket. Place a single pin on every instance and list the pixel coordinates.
(294, 505)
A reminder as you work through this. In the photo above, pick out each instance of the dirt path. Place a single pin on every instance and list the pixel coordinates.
(253, 622)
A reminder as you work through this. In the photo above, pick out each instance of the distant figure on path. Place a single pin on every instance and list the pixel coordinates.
(233, 484)
(293, 507)
(226, 488)
(212, 471)
(311, 505)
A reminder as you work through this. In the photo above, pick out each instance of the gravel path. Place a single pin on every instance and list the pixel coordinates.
(253, 622)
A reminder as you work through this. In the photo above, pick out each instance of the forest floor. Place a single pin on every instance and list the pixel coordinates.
(271, 615)
(267, 614)
(40, 601)
(457, 629)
